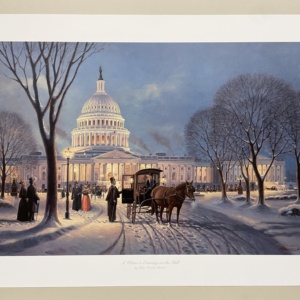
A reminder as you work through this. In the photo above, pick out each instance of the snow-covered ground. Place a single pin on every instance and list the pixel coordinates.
(90, 233)
(87, 250)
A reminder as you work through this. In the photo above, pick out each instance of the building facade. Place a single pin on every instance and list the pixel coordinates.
(100, 144)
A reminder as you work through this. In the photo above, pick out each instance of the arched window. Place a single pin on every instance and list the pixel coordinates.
(174, 176)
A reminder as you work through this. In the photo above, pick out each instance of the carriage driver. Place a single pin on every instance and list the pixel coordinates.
(151, 183)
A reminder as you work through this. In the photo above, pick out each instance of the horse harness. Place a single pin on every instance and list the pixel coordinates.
(165, 197)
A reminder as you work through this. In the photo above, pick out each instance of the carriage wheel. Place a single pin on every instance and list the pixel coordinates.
(133, 212)
(128, 211)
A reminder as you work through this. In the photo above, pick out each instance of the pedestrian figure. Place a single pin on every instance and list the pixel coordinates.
(33, 199)
(86, 201)
(112, 195)
(63, 194)
(76, 196)
(23, 204)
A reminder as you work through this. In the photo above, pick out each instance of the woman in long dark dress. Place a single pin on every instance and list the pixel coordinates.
(23, 204)
(76, 196)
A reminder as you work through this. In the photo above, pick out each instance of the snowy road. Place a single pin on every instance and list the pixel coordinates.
(202, 231)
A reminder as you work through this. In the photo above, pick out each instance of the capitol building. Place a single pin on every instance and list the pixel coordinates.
(101, 149)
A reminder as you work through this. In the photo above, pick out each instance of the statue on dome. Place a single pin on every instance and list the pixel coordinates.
(100, 76)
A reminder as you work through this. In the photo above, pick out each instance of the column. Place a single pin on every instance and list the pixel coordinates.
(105, 171)
(92, 172)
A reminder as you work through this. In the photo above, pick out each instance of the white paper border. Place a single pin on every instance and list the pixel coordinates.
(187, 270)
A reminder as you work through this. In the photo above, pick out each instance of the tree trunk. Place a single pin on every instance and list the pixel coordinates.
(224, 198)
(50, 216)
(260, 183)
(3, 178)
(247, 184)
(298, 180)
(261, 191)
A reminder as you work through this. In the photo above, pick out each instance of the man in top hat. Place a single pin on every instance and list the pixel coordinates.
(32, 199)
(112, 196)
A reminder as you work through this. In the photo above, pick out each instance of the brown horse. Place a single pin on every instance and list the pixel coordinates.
(170, 197)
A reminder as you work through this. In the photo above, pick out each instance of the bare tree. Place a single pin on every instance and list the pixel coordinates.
(16, 140)
(205, 137)
(293, 130)
(45, 71)
(257, 105)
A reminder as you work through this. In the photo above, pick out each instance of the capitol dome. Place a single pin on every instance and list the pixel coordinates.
(100, 125)
(100, 102)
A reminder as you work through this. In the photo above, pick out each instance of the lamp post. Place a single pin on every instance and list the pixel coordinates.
(67, 154)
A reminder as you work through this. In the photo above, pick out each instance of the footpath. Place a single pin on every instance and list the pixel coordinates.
(85, 233)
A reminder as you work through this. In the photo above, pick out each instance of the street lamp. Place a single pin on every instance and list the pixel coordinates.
(67, 154)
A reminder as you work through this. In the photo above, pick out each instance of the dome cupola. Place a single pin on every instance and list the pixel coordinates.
(100, 124)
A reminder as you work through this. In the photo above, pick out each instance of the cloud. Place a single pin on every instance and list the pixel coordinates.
(155, 90)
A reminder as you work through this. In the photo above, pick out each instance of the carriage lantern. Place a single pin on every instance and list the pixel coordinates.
(131, 181)
(163, 180)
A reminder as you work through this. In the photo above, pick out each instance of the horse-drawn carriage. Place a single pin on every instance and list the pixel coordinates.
(142, 197)
(136, 193)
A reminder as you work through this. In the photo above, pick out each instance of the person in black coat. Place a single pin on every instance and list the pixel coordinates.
(112, 197)
(33, 198)
(76, 196)
(23, 205)
(151, 183)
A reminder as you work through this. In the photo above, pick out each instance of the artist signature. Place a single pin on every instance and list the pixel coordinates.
(289, 248)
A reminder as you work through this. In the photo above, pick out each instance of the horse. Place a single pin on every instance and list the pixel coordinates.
(170, 197)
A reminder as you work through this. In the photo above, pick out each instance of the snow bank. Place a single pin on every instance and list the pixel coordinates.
(282, 197)
(241, 198)
(291, 210)
(7, 203)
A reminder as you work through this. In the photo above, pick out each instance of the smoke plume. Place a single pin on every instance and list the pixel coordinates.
(162, 140)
